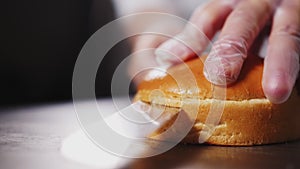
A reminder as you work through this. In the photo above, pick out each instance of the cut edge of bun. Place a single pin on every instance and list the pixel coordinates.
(243, 123)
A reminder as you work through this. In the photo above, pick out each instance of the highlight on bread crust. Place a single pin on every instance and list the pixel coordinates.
(248, 117)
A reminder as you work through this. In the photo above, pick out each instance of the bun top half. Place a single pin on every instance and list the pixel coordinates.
(187, 80)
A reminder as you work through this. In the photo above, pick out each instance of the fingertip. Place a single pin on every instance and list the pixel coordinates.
(220, 72)
(171, 52)
(277, 94)
(163, 57)
(277, 88)
(224, 62)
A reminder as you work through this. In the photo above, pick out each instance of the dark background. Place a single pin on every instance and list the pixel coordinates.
(40, 41)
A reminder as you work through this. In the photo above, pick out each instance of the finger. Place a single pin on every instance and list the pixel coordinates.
(282, 60)
(238, 33)
(143, 56)
(204, 22)
(145, 41)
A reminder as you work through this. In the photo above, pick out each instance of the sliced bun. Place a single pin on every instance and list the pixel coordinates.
(248, 117)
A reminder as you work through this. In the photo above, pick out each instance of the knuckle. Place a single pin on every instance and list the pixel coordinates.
(290, 30)
(202, 14)
(248, 24)
(268, 5)
(232, 45)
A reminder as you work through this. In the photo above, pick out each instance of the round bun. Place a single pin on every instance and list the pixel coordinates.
(248, 118)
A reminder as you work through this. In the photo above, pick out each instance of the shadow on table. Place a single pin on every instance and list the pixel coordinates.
(286, 155)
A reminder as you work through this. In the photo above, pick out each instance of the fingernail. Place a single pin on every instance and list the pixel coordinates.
(277, 87)
(171, 52)
(223, 66)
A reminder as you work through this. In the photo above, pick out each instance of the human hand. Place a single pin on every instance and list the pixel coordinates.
(241, 21)
(144, 45)
(144, 60)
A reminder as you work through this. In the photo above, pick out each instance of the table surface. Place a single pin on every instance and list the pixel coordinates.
(30, 137)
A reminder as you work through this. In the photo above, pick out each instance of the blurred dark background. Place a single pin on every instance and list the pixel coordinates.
(41, 40)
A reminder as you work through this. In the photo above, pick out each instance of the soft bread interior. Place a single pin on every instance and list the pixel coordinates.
(247, 117)
(246, 122)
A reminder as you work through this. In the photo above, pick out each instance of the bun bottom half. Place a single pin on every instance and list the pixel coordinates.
(243, 123)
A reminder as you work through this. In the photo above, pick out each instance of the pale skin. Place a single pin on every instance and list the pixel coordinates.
(240, 22)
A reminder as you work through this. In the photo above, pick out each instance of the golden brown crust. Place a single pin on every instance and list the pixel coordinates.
(248, 117)
(248, 85)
